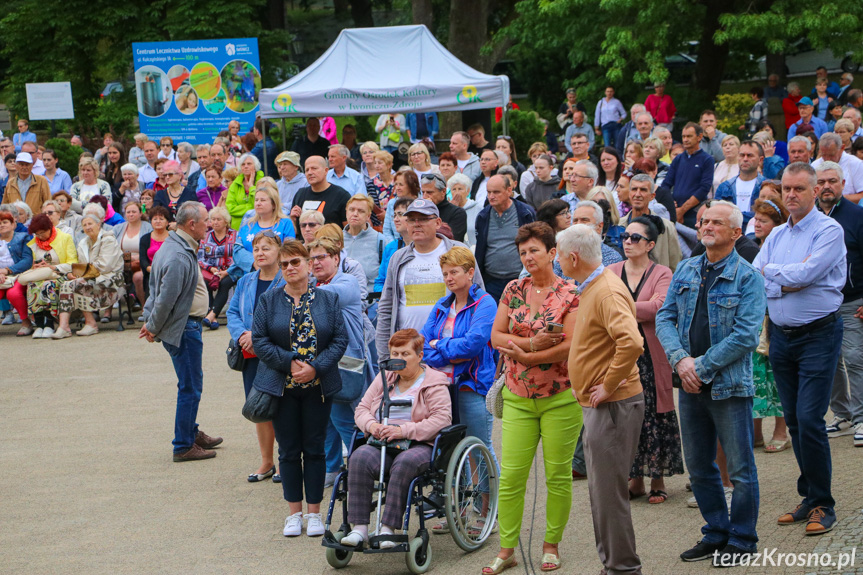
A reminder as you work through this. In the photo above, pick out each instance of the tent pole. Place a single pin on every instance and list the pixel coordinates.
(284, 136)
(504, 120)
(264, 132)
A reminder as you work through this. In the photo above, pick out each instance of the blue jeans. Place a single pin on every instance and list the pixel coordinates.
(578, 462)
(703, 420)
(339, 429)
(190, 384)
(472, 412)
(609, 132)
(804, 368)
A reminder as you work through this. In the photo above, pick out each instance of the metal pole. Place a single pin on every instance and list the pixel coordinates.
(284, 137)
(504, 120)
(264, 132)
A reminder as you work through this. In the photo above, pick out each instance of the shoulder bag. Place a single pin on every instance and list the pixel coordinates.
(353, 374)
(494, 397)
(260, 407)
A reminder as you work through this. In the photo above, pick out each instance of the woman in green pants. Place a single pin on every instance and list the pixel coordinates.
(537, 402)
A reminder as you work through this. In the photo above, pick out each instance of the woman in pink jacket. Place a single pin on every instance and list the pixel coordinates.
(430, 411)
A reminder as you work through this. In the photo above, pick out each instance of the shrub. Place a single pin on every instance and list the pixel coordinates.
(67, 154)
(732, 110)
(524, 128)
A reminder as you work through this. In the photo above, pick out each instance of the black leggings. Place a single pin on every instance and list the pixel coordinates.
(217, 302)
(43, 319)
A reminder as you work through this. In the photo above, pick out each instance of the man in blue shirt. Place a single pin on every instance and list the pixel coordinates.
(806, 109)
(690, 176)
(24, 135)
(803, 264)
(832, 87)
(340, 174)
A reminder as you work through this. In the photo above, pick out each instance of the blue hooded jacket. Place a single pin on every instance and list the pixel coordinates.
(471, 340)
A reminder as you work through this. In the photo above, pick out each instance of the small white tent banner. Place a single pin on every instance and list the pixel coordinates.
(397, 69)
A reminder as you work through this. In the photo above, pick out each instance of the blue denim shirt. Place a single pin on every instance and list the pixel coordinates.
(736, 307)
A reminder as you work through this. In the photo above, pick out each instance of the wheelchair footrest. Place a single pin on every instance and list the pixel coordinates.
(401, 541)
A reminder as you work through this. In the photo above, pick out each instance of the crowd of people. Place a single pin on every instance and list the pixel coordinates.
(600, 281)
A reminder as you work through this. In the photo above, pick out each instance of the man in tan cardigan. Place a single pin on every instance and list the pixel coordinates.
(36, 190)
(604, 375)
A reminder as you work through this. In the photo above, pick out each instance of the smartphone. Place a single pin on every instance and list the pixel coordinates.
(552, 327)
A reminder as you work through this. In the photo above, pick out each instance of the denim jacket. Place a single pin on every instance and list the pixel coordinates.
(736, 308)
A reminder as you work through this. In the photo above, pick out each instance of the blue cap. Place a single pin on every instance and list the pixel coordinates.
(805, 101)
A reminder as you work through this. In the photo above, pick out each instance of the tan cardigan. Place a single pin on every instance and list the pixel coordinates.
(606, 343)
(39, 193)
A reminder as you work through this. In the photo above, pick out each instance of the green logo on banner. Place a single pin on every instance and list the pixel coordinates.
(283, 103)
(468, 95)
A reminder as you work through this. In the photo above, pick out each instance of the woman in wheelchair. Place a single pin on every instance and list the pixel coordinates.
(429, 412)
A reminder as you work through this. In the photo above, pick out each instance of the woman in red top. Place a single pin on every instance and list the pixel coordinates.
(661, 106)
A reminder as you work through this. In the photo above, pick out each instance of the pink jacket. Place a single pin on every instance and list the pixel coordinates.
(431, 411)
(645, 314)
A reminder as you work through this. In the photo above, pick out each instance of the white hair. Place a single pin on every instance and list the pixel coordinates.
(131, 168)
(186, 147)
(640, 114)
(341, 149)
(502, 159)
(23, 208)
(802, 139)
(827, 166)
(95, 209)
(582, 240)
(189, 212)
(254, 159)
(830, 140)
(592, 171)
(735, 220)
(598, 216)
(459, 179)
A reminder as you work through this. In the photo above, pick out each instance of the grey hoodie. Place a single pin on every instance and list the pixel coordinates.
(538, 191)
(366, 248)
(472, 169)
(173, 279)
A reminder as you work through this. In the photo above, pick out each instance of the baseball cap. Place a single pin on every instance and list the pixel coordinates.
(425, 207)
(291, 157)
(805, 101)
(24, 157)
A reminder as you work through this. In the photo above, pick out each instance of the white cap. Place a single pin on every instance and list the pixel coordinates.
(24, 157)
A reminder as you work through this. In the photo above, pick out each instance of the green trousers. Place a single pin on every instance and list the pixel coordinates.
(557, 420)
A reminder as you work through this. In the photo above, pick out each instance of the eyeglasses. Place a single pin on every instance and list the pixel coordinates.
(416, 154)
(398, 214)
(580, 176)
(309, 225)
(564, 212)
(294, 263)
(319, 258)
(634, 238)
(166, 174)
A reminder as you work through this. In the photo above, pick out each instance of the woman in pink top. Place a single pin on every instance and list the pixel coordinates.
(150, 243)
(329, 130)
(661, 106)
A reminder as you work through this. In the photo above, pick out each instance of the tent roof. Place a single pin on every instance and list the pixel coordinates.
(371, 71)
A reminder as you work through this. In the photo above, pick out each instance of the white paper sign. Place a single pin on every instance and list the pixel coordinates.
(50, 101)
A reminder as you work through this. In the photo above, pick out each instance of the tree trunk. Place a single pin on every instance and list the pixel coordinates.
(468, 31)
(710, 65)
(421, 11)
(274, 15)
(341, 9)
(775, 64)
(361, 12)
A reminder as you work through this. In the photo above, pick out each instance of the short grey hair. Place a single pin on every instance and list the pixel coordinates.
(803, 140)
(848, 76)
(798, 167)
(202, 148)
(13, 209)
(640, 114)
(23, 208)
(736, 218)
(51, 203)
(315, 215)
(460, 179)
(854, 111)
(660, 130)
(827, 166)
(342, 149)
(582, 240)
(507, 170)
(130, 167)
(435, 179)
(137, 137)
(636, 109)
(598, 215)
(502, 159)
(643, 178)
(190, 212)
(830, 140)
(91, 215)
(254, 159)
(91, 209)
(186, 147)
(592, 170)
(793, 86)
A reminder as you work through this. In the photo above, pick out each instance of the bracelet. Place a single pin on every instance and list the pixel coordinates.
(531, 345)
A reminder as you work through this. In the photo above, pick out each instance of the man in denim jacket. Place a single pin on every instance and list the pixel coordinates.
(709, 327)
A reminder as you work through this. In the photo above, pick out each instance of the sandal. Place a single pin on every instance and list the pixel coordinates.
(759, 443)
(662, 495)
(550, 562)
(633, 495)
(476, 529)
(499, 565)
(441, 528)
(776, 445)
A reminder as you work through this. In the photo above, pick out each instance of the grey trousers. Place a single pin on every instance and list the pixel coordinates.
(846, 400)
(610, 435)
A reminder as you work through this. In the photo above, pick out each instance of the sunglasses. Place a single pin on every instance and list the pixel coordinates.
(634, 238)
(268, 234)
(170, 174)
(309, 225)
(294, 263)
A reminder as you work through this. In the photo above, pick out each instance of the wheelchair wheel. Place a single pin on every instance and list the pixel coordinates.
(338, 558)
(418, 557)
(471, 474)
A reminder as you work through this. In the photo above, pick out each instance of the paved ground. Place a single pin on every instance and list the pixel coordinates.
(89, 486)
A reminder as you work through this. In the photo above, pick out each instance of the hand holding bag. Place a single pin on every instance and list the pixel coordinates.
(260, 407)
(37, 275)
(236, 360)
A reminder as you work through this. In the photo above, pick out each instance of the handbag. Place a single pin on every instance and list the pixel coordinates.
(236, 360)
(260, 407)
(37, 275)
(353, 374)
(211, 279)
(494, 397)
(764, 340)
(85, 271)
(8, 282)
(396, 446)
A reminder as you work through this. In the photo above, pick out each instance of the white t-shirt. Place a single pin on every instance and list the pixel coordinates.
(422, 286)
(744, 194)
(481, 193)
(402, 413)
(462, 164)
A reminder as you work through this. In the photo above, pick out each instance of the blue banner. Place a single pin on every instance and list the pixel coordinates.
(192, 90)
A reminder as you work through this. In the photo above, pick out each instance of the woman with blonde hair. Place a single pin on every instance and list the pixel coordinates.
(241, 192)
(367, 166)
(633, 151)
(88, 184)
(536, 150)
(420, 160)
(729, 167)
(268, 217)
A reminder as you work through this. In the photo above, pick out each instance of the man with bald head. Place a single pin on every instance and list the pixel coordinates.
(496, 225)
(321, 196)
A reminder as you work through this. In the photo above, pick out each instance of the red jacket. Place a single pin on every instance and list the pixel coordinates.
(662, 109)
(789, 107)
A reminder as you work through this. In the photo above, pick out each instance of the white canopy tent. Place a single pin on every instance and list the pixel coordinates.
(371, 71)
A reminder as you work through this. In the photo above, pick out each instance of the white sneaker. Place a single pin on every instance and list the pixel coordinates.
(691, 502)
(314, 525)
(354, 538)
(729, 491)
(839, 427)
(37, 333)
(293, 525)
(858, 435)
(47, 333)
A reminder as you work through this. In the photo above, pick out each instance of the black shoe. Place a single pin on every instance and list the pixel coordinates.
(701, 551)
(731, 556)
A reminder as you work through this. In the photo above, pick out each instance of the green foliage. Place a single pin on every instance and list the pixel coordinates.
(117, 114)
(524, 129)
(67, 154)
(732, 110)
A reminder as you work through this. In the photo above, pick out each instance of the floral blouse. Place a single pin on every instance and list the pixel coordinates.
(305, 339)
(543, 380)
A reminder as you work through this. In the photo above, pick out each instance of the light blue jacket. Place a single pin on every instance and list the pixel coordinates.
(241, 312)
(736, 308)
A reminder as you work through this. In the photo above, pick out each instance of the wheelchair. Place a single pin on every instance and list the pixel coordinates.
(452, 488)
